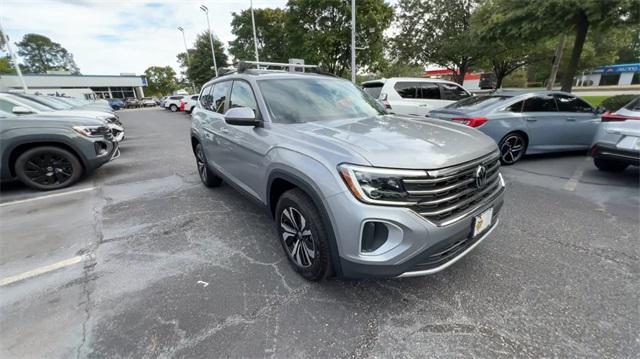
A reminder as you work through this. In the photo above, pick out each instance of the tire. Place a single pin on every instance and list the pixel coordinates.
(208, 178)
(303, 236)
(609, 165)
(512, 147)
(173, 108)
(47, 168)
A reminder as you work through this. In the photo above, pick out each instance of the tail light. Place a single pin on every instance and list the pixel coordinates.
(614, 117)
(470, 121)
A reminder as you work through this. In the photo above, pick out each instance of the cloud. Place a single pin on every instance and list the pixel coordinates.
(112, 37)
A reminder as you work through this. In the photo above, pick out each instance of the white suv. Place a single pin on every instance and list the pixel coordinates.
(173, 102)
(413, 95)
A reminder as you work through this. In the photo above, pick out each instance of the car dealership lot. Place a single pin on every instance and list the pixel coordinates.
(141, 260)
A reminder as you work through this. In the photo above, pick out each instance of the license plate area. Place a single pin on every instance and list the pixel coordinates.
(482, 222)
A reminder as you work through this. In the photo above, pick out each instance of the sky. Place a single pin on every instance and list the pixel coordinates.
(111, 37)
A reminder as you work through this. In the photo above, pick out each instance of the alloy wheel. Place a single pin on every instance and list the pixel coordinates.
(48, 169)
(512, 149)
(297, 237)
(202, 168)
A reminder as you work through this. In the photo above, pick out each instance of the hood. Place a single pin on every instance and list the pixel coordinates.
(403, 142)
(70, 120)
(78, 113)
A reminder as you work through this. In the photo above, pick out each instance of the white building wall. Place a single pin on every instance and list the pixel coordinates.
(625, 78)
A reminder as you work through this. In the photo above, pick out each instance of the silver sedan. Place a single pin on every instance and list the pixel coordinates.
(527, 122)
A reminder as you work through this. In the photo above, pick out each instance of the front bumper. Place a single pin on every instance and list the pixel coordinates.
(611, 152)
(417, 246)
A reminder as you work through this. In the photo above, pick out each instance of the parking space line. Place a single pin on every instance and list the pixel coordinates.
(42, 270)
(46, 196)
(572, 183)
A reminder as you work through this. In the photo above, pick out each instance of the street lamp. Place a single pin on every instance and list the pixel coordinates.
(213, 53)
(186, 49)
(255, 39)
(353, 41)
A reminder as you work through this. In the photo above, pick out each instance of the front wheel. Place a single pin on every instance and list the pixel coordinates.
(512, 148)
(303, 236)
(47, 168)
(173, 108)
(609, 165)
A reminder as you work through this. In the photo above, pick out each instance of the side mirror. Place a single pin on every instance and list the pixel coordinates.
(241, 116)
(19, 110)
(599, 110)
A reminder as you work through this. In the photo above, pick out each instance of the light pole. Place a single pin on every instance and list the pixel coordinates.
(213, 53)
(13, 58)
(255, 39)
(353, 41)
(186, 49)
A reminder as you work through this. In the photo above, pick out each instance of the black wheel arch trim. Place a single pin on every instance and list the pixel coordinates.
(310, 190)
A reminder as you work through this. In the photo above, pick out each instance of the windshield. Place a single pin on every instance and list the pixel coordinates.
(634, 105)
(315, 99)
(32, 104)
(56, 105)
(477, 102)
(68, 101)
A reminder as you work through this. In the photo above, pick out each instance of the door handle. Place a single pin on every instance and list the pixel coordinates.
(570, 119)
(531, 119)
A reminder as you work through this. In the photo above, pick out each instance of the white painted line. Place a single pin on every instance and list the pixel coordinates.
(42, 270)
(572, 183)
(47, 196)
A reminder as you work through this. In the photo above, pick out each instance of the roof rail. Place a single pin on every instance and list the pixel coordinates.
(244, 65)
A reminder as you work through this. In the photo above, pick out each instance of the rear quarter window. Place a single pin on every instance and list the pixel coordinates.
(373, 89)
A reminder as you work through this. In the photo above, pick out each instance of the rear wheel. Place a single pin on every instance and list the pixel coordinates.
(208, 178)
(303, 236)
(609, 165)
(512, 148)
(48, 168)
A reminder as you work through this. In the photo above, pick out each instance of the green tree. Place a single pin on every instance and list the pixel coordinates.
(320, 33)
(437, 31)
(161, 80)
(270, 31)
(40, 55)
(533, 20)
(201, 69)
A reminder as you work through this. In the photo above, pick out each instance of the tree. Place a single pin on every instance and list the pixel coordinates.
(40, 55)
(533, 20)
(437, 31)
(270, 32)
(201, 69)
(320, 33)
(161, 80)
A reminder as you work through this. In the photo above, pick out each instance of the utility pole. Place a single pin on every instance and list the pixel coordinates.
(255, 38)
(556, 62)
(14, 59)
(213, 53)
(353, 41)
(186, 49)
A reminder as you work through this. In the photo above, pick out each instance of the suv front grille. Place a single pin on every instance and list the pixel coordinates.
(448, 194)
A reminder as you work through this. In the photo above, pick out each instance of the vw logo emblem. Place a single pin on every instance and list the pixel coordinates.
(480, 176)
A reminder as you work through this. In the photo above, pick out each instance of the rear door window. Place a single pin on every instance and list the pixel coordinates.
(406, 89)
(453, 92)
(429, 91)
(373, 89)
(516, 107)
(540, 104)
(572, 104)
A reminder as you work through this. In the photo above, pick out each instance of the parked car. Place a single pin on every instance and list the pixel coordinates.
(353, 190)
(187, 104)
(173, 102)
(161, 101)
(527, 122)
(131, 102)
(116, 103)
(147, 102)
(414, 96)
(48, 153)
(616, 145)
(84, 104)
(44, 106)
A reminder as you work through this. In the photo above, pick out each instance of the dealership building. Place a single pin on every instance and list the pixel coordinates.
(103, 86)
(612, 75)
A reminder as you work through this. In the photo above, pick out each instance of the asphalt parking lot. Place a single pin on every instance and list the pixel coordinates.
(153, 264)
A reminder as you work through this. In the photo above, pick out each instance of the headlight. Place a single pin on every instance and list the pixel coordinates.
(91, 131)
(378, 185)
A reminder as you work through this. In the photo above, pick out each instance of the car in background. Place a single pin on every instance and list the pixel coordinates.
(527, 122)
(101, 105)
(161, 101)
(173, 102)
(116, 103)
(414, 96)
(48, 153)
(187, 105)
(131, 102)
(617, 142)
(147, 102)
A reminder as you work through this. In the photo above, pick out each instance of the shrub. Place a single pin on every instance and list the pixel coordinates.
(614, 103)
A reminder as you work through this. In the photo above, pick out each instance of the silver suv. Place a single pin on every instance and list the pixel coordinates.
(354, 191)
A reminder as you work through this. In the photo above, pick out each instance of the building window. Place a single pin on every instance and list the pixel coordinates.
(636, 78)
(609, 79)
